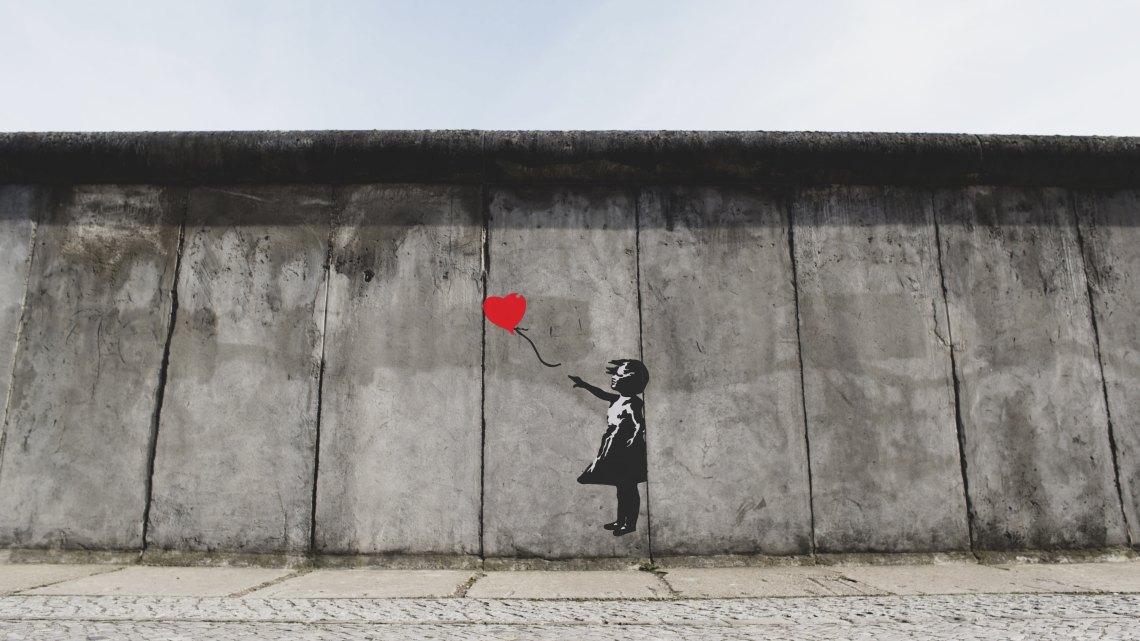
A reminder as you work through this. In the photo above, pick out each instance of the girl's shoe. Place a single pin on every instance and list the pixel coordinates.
(624, 529)
(612, 526)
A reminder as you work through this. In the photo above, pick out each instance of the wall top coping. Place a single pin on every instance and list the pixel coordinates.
(567, 157)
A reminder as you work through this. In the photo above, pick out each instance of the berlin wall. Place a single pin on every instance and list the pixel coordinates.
(275, 343)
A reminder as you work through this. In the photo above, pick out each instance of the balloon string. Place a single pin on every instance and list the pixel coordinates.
(520, 331)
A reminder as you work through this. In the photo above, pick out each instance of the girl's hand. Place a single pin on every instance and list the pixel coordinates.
(577, 381)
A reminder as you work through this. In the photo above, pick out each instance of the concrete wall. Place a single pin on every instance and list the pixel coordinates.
(400, 427)
(856, 343)
(81, 410)
(877, 378)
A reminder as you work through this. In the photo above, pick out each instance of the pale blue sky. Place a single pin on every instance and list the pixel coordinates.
(995, 66)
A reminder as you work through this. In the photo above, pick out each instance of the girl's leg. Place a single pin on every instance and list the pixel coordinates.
(617, 522)
(629, 505)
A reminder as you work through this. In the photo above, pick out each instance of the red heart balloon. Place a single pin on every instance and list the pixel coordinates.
(505, 311)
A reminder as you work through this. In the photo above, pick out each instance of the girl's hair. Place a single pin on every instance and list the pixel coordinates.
(636, 383)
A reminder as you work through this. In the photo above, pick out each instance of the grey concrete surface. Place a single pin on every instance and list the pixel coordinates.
(965, 578)
(74, 469)
(1110, 228)
(19, 206)
(237, 436)
(1038, 461)
(258, 584)
(599, 584)
(368, 584)
(724, 583)
(160, 581)
(727, 450)
(401, 433)
(878, 387)
(16, 578)
(1121, 577)
(238, 464)
(571, 253)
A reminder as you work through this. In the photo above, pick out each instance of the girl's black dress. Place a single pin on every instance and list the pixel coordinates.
(620, 462)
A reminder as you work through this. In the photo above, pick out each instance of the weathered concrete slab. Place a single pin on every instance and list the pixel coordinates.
(571, 253)
(1110, 227)
(83, 389)
(727, 448)
(1032, 405)
(1082, 577)
(952, 579)
(886, 474)
(14, 578)
(166, 581)
(237, 438)
(728, 583)
(368, 584)
(19, 207)
(401, 432)
(597, 584)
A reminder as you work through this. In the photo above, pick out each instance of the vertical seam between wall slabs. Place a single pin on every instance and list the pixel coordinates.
(959, 424)
(641, 355)
(321, 370)
(485, 268)
(485, 258)
(21, 323)
(790, 210)
(1085, 260)
(163, 370)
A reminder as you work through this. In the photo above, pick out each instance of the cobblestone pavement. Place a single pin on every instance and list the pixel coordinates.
(1070, 616)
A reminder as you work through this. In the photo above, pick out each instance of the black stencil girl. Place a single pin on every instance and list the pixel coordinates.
(621, 457)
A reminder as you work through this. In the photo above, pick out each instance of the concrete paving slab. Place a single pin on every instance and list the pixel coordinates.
(599, 584)
(572, 253)
(1083, 577)
(236, 449)
(724, 583)
(727, 450)
(951, 579)
(400, 414)
(165, 581)
(16, 577)
(878, 386)
(1111, 241)
(368, 584)
(1031, 394)
(82, 401)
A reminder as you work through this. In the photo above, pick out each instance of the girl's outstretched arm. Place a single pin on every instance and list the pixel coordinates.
(602, 394)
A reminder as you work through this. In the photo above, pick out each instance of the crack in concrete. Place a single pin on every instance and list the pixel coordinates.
(335, 199)
(463, 588)
(485, 204)
(32, 237)
(958, 423)
(164, 368)
(1085, 258)
(789, 209)
(271, 582)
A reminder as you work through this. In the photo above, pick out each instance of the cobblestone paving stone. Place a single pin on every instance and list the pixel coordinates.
(1099, 616)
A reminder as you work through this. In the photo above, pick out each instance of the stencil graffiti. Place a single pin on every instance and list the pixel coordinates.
(621, 459)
